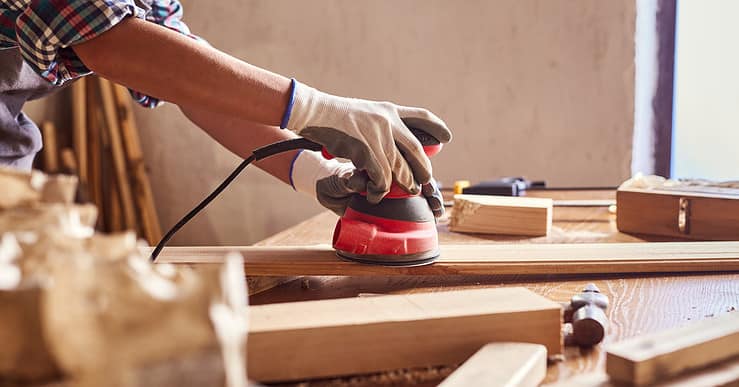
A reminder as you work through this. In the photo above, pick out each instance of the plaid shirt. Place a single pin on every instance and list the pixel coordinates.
(44, 30)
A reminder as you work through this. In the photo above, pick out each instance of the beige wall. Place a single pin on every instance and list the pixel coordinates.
(539, 88)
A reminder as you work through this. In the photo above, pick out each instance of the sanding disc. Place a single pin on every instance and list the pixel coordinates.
(409, 260)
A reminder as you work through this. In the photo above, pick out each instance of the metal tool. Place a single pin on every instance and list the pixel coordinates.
(398, 231)
(586, 312)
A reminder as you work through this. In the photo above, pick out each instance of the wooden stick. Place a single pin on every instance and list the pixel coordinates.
(484, 259)
(94, 155)
(51, 155)
(647, 359)
(141, 187)
(79, 124)
(117, 152)
(302, 340)
(503, 365)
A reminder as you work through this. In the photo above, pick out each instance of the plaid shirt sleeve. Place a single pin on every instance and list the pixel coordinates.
(45, 30)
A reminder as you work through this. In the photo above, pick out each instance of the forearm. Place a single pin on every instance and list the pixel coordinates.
(173, 67)
(242, 137)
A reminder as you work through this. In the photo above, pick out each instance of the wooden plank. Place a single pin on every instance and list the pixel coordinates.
(51, 151)
(724, 374)
(312, 339)
(79, 124)
(503, 365)
(142, 193)
(577, 258)
(118, 155)
(708, 215)
(646, 359)
(501, 215)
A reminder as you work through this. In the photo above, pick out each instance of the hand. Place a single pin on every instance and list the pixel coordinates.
(333, 183)
(373, 135)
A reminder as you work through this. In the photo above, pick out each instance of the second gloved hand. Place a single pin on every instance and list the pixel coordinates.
(333, 183)
(373, 135)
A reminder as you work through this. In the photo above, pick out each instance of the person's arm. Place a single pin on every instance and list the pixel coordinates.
(242, 136)
(190, 73)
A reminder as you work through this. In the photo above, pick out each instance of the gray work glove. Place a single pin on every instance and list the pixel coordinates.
(333, 183)
(373, 135)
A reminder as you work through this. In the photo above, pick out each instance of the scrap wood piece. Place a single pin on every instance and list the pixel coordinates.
(94, 144)
(369, 334)
(647, 359)
(118, 155)
(502, 364)
(724, 374)
(143, 195)
(579, 258)
(501, 215)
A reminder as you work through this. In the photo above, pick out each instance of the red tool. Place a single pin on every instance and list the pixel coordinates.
(398, 231)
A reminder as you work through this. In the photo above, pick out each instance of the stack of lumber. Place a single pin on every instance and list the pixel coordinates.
(103, 149)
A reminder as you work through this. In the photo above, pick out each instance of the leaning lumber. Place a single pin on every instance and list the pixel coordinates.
(647, 359)
(118, 154)
(313, 339)
(502, 365)
(585, 258)
(501, 215)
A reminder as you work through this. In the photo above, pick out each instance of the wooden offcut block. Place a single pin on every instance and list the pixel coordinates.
(502, 365)
(647, 359)
(501, 215)
(702, 213)
(314, 339)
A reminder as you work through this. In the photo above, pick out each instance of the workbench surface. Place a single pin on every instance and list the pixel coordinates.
(639, 303)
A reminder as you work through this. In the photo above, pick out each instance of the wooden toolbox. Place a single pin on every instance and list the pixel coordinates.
(689, 210)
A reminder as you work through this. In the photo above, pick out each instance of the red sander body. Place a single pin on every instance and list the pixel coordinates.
(398, 231)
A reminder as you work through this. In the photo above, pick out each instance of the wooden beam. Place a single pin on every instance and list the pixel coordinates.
(118, 155)
(501, 215)
(647, 359)
(580, 258)
(313, 339)
(502, 365)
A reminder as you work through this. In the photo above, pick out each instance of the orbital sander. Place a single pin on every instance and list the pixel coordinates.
(398, 231)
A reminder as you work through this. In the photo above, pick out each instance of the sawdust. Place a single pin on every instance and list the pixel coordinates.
(421, 377)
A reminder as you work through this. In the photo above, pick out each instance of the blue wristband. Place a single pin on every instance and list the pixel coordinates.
(292, 165)
(289, 107)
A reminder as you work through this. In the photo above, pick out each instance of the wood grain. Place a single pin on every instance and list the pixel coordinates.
(360, 335)
(501, 215)
(647, 359)
(502, 365)
(515, 259)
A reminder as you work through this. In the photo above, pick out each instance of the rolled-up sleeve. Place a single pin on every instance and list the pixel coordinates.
(46, 30)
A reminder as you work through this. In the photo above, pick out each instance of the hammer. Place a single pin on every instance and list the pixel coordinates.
(586, 312)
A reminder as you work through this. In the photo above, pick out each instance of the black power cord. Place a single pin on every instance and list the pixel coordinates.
(257, 154)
